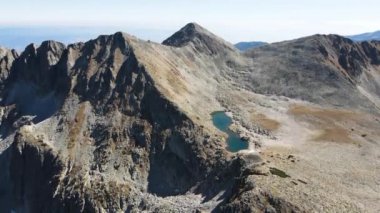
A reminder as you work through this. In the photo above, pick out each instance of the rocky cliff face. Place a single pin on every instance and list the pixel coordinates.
(121, 124)
(90, 131)
(6, 59)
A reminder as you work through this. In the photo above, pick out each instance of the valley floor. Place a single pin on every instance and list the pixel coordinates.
(321, 159)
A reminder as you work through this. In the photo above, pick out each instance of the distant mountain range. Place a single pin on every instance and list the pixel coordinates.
(19, 37)
(243, 46)
(366, 36)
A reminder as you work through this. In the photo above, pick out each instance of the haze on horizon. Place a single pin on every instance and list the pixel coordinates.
(238, 20)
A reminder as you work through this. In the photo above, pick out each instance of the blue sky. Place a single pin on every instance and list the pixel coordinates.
(234, 20)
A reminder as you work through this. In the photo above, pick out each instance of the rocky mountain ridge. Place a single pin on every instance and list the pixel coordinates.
(372, 36)
(100, 130)
(334, 68)
(120, 124)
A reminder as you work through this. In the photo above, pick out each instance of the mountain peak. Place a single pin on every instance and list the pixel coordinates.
(193, 28)
(200, 37)
(185, 35)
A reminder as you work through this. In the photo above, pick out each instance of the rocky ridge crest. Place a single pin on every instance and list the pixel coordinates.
(121, 124)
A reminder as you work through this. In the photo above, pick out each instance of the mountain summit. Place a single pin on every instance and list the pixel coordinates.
(198, 36)
(186, 34)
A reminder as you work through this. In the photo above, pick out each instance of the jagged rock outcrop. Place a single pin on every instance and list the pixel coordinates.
(35, 65)
(34, 87)
(34, 172)
(6, 59)
(112, 133)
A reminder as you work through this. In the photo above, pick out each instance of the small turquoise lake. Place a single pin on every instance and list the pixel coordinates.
(222, 121)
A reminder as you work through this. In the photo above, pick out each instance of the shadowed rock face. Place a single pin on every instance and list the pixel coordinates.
(112, 124)
(36, 64)
(35, 87)
(34, 173)
(6, 59)
(111, 137)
